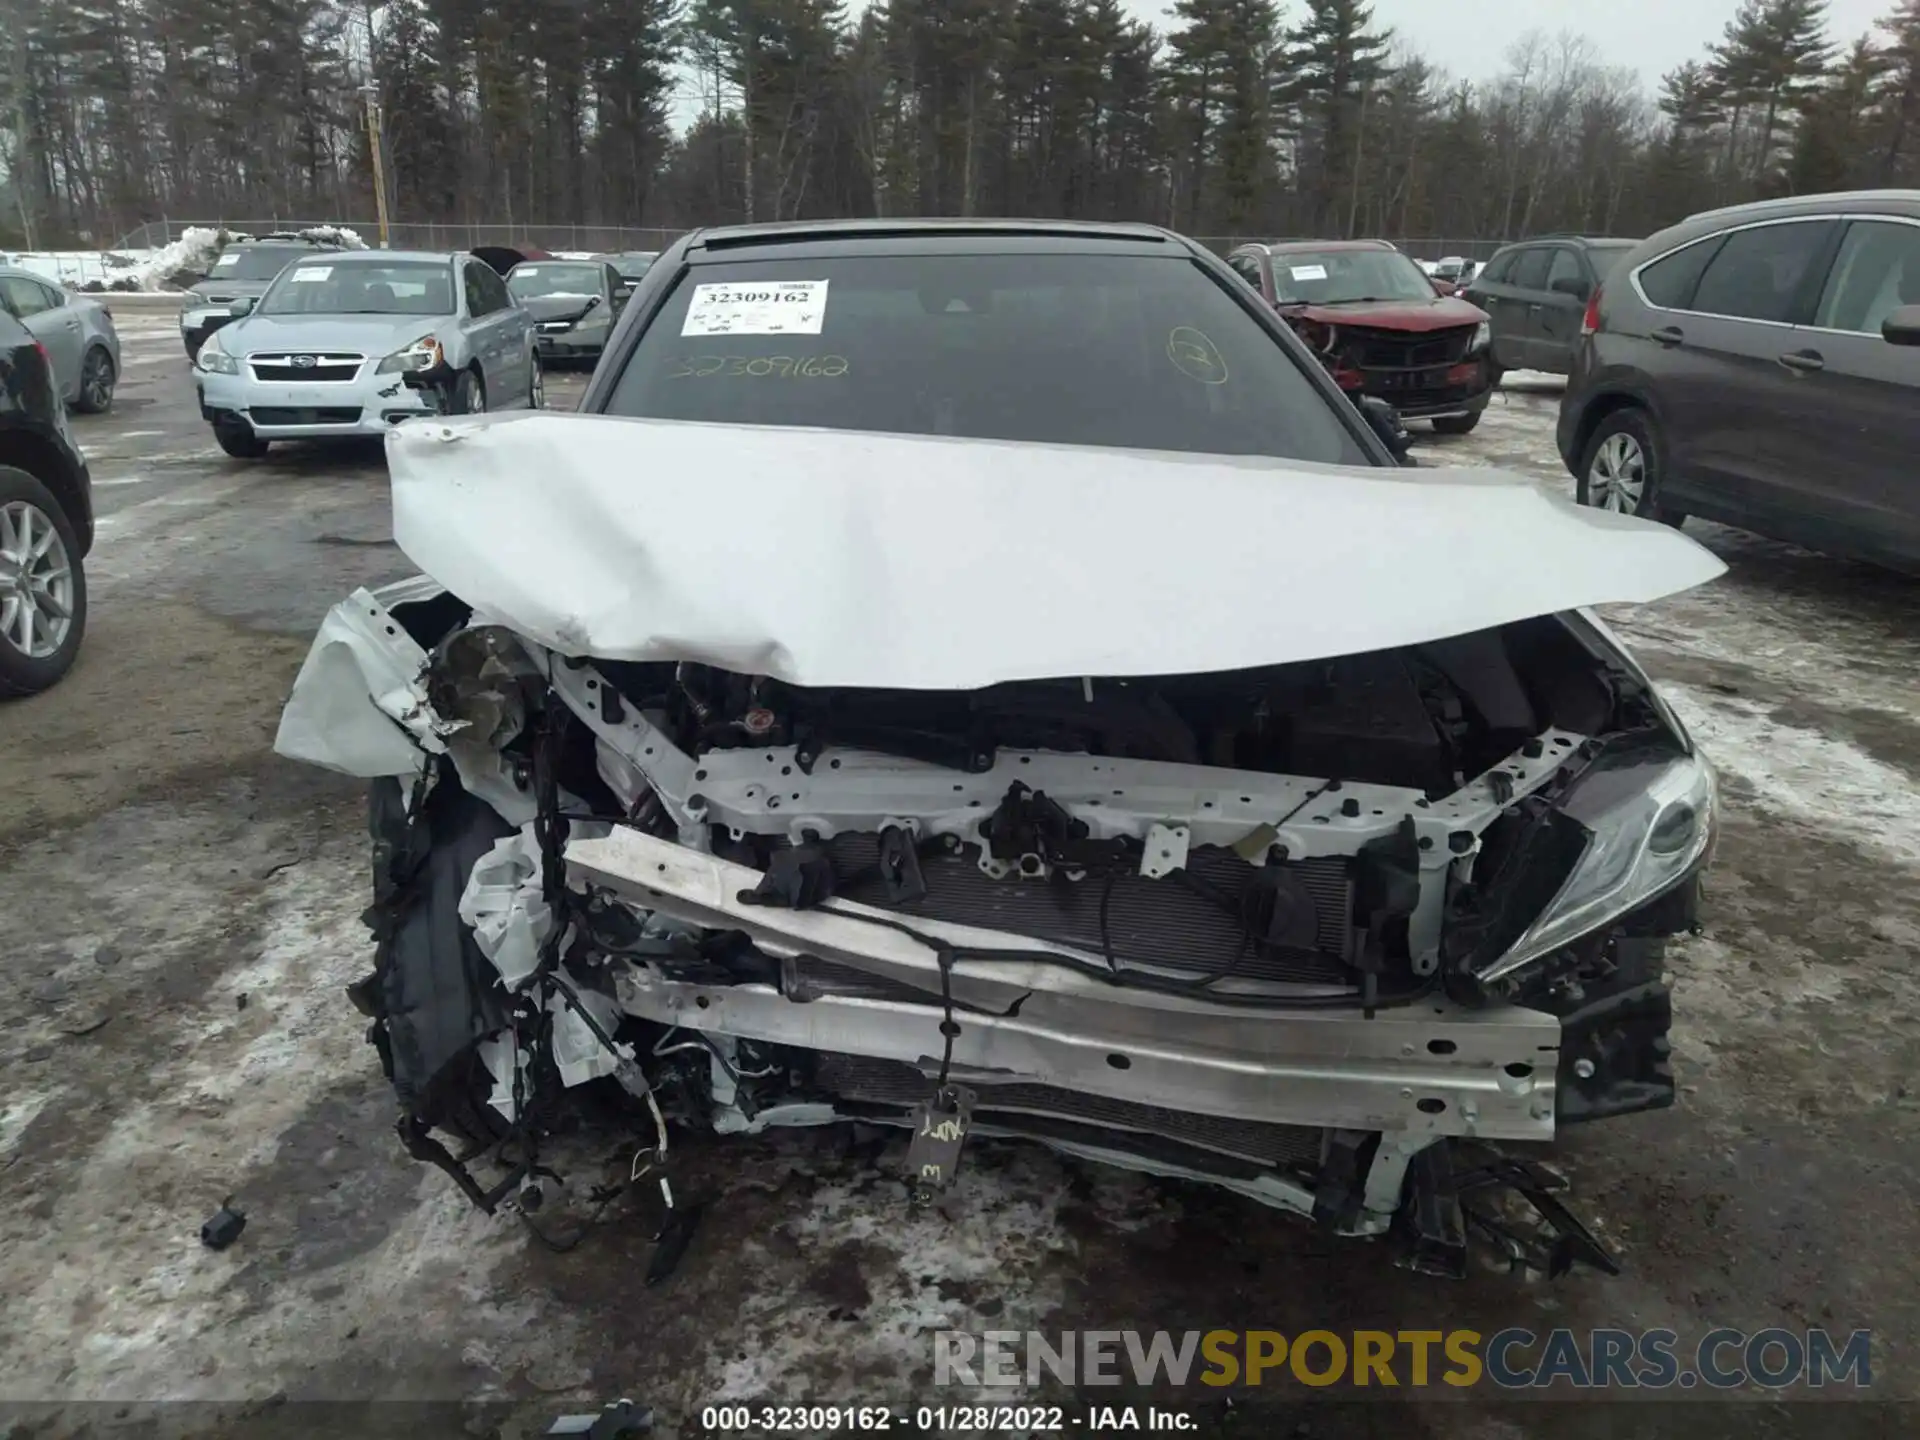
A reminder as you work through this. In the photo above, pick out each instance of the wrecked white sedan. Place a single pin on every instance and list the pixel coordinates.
(985, 679)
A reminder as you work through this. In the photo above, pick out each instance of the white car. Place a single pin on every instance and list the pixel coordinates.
(355, 342)
(984, 677)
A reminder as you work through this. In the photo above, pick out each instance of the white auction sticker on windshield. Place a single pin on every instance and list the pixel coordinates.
(1309, 272)
(232, 257)
(310, 273)
(757, 307)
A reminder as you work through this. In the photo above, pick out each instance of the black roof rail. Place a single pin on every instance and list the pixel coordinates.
(727, 236)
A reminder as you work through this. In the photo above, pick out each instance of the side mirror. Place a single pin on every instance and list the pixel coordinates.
(1386, 423)
(1902, 327)
(1572, 285)
(622, 295)
(243, 306)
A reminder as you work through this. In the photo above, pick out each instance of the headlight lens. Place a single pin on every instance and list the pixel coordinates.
(1646, 836)
(214, 360)
(1482, 337)
(422, 354)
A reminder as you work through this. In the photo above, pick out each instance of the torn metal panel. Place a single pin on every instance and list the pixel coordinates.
(506, 908)
(890, 560)
(359, 704)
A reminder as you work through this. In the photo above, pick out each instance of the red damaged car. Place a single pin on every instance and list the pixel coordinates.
(1379, 324)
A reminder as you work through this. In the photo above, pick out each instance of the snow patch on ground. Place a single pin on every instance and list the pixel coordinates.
(994, 1238)
(20, 1112)
(1535, 382)
(1820, 781)
(77, 267)
(988, 1257)
(116, 1290)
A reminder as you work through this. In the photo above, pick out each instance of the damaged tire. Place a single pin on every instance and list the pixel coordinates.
(43, 590)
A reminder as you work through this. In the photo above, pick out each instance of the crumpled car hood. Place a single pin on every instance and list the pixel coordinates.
(1416, 316)
(557, 307)
(835, 558)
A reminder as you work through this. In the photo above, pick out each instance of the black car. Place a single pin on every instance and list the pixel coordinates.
(243, 270)
(1015, 401)
(46, 521)
(1536, 291)
(1760, 366)
(573, 304)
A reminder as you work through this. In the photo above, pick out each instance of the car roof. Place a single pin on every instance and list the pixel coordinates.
(1891, 201)
(802, 238)
(1295, 247)
(368, 257)
(1556, 237)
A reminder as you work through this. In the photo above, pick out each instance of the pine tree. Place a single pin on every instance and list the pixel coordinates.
(1335, 62)
(1220, 82)
(1773, 53)
(1896, 120)
(1830, 150)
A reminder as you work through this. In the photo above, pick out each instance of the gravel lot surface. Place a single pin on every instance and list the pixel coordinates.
(184, 911)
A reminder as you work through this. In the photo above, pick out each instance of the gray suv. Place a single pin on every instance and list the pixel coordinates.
(1760, 366)
(1535, 292)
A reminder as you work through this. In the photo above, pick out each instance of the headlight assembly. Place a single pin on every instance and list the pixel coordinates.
(422, 354)
(214, 360)
(1482, 337)
(1648, 825)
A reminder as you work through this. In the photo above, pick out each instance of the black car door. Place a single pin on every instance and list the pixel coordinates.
(1557, 312)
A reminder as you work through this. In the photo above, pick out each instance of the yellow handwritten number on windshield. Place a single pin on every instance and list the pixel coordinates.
(1193, 354)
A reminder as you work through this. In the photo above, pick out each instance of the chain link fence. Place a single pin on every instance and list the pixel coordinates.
(429, 235)
(599, 239)
(1419, 247)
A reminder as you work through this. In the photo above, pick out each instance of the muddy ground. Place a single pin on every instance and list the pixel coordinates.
(182, 911)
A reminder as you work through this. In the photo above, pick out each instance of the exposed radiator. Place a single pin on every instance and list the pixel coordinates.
(889, 1082)
(1150, 922)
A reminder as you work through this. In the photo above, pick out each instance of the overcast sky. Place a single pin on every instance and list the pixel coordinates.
(1469, 39)
(1651, 36)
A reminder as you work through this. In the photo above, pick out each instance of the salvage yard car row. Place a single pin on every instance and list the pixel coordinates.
(1202, 916)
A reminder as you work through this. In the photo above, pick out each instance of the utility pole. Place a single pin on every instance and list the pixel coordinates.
(374, 145)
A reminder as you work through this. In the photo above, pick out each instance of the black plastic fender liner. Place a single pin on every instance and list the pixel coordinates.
(435, 994)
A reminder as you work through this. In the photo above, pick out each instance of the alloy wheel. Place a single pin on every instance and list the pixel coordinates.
(1617, 479)
(537, 394)
(36, 582)
(96, 382)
